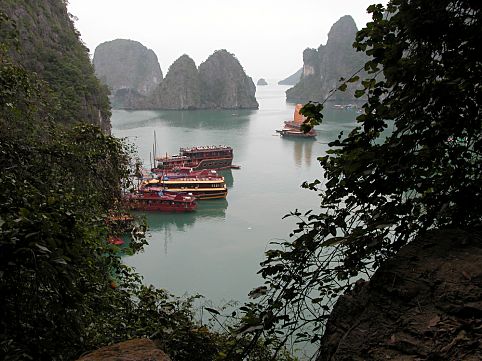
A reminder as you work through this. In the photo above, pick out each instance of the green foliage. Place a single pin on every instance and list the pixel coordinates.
(413, 163)
(55, 263)
(49, 45)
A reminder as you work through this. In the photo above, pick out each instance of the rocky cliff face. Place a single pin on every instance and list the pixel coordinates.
(127, 67)
(132, 350)
(49, 45)
(424, 304)
(181, 87)
(323, 67)
(224, 83)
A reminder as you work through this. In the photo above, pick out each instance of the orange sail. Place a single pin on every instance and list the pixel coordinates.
(298, 118)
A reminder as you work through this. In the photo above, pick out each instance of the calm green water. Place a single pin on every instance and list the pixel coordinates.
(216, 250)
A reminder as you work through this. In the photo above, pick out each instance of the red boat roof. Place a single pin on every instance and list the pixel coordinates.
(115, 240)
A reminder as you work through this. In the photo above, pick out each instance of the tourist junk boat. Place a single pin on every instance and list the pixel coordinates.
(197, 158)
(292, 128)
(154, 199)
(205, 184)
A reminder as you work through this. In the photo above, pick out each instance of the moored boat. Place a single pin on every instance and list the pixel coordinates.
(117, 241)
(155, 200)
(296, 133)
(201, 184)
(292, 128)
(197, 158)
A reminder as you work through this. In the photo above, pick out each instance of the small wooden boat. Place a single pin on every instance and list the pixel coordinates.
(115, 240)
(296, 133)
(292, 128)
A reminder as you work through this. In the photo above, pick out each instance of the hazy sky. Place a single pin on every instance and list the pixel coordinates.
(267, 36)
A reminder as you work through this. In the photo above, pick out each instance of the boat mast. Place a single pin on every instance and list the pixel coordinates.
(155, 148)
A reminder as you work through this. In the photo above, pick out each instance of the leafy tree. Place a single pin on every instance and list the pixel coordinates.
(413, 164)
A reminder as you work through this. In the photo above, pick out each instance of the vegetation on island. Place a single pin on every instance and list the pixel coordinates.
(413, 164)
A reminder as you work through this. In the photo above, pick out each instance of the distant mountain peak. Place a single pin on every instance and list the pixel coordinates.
(224, 83)
(323, 67)
(127, 64)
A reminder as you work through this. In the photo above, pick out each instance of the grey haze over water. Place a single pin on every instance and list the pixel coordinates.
(268, 36)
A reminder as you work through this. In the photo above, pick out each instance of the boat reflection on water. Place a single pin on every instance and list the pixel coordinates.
(161, 226)
(302, 150)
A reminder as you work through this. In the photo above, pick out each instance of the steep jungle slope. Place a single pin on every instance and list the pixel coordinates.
(49, 45)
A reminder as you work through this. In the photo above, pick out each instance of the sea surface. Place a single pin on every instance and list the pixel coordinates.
(216, 250)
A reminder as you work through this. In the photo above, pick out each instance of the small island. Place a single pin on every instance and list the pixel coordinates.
(262, 81)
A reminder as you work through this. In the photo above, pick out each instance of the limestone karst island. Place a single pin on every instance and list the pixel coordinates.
(135, 79)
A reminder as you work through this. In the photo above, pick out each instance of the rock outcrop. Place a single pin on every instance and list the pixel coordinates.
(132, 350)
(224, 83)
(181, 88)
(133, 74)
(424, 304)
(128, 68)
(49, 45)
(323, 67)
(262, 81)
(292, 79)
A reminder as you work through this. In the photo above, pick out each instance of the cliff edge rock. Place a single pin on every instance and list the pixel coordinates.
(424, 304)
(132, 350)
